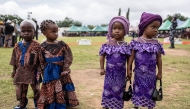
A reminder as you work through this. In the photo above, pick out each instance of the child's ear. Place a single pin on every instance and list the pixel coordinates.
(44, 33)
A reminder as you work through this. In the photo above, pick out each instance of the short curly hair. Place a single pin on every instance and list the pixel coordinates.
(45, 24)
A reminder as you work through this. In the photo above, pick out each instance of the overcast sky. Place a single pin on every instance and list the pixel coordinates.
(93, 12)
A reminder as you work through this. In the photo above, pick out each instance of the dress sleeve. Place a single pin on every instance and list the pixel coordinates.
(41, 61)
(103, 49)
(68, 58)
(161, 49)
(13, 58)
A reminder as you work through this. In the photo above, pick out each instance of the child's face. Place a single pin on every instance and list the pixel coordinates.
(27, 31)
(118, 31)
(152, 29)
(51, 32)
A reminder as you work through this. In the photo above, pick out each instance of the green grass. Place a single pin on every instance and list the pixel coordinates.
(176, 74)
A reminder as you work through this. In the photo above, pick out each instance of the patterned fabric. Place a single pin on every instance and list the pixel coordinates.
(145, 70)
(26, 73)
(120, 19)
(57, 91)
(146, 19)
(51, 92)
(21, 93)
(114, 83)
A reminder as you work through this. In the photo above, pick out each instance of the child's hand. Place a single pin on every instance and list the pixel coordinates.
(38, 76)
(102, 72)
(129, 75)
(159, 76)
(64, 73)
(13, 75)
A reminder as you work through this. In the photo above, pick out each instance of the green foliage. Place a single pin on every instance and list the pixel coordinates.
(68, 22)
(77, 23)
(177, 15)
(104, 25)
(91, 26)
(11, 17)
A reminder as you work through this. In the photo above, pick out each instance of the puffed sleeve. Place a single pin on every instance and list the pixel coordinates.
(68, 58)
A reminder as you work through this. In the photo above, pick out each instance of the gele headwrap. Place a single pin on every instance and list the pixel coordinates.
(120, 19)
(146, 19)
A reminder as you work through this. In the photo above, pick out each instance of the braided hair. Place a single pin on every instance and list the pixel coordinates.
(44, 25)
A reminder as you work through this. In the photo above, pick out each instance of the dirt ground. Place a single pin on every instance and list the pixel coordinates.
(174, 52)
(89, 85)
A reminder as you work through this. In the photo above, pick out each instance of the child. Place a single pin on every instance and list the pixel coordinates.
(57, 91)
(147, 54)
(25, 61)
(116, 52)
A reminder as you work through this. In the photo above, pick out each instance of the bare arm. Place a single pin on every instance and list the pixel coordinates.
(129, 64)
(102, 60)
(14, 71)
(159, 65)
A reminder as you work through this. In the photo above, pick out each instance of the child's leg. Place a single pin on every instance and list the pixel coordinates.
(21, 93)
(36, 91)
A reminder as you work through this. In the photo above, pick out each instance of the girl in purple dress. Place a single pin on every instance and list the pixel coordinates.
(116, 52)
(147, 54)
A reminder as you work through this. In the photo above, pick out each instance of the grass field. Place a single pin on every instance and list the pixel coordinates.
(88, 83)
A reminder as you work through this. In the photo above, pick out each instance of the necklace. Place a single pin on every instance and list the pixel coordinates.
(121, 42)
(144, 39)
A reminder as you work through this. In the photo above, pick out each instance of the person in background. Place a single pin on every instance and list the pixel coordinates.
(9, 29)
(173, 32)
(1, 34)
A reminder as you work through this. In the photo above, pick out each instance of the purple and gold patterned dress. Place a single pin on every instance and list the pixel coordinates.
(145, 70)
(114, 83)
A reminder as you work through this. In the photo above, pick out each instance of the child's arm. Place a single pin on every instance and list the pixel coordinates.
(102, 60)
(14, 71)
(129, 64)
(68, 59)
(159, 64)
(13, 63)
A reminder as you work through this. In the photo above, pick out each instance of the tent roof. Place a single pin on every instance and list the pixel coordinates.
(98, 29)
(84, 29)
(73, 29)
(166, 25)
(186, 24)
(179, 22)
(105, 28)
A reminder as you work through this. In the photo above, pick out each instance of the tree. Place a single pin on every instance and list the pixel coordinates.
(90, 26)
(77, 23)
(178, 15)
(119, 14)
(127, 14)
(104, 25)
(11, 17)
(68, 22)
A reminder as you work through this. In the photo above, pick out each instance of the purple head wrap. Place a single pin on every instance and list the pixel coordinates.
(146, 19)
(120, 19)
